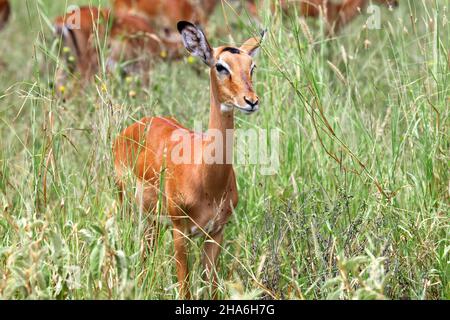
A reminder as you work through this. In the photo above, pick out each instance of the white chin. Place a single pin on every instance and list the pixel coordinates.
(226, 108)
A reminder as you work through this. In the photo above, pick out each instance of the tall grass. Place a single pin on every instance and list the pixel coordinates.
(357, 210)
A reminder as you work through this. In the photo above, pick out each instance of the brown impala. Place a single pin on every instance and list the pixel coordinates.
(199, 197)
(336, 13)
(130, 38)
(77, 30)
(166, 13)
(163, 15)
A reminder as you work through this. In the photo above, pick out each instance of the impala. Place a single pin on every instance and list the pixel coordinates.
(199, 197)
(128, 38)
(163, 15)
(336, 13)
(134, 41)
(77, 29)
(5, 11)
(166, 13)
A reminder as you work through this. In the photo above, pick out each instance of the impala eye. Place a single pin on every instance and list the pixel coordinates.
(221, 69)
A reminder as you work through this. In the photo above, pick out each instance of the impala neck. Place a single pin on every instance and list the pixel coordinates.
(217, 175)
(217, 119)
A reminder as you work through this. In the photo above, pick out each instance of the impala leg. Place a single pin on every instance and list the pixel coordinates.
(181, 258)
(211, 251)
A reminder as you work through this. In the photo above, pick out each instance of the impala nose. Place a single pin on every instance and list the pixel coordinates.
(252, 104)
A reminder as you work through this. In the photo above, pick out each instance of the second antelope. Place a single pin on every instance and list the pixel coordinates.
(166, 13)
(131, 42)
(199, 197)
(336, 14)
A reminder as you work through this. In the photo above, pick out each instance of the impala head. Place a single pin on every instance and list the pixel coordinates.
(232, 68)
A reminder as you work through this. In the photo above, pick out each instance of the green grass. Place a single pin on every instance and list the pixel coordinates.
(359, 208)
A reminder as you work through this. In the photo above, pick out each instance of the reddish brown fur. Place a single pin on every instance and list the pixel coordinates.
(336, 14)
(130, 38)
(194, 194)
(164, 14)
(5, 11)
(80, 40)
(133, 39)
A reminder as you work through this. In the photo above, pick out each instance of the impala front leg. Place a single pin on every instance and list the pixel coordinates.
(181, 260)
(211, 251)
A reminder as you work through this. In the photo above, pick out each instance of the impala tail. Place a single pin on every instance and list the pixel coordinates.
(5, 11)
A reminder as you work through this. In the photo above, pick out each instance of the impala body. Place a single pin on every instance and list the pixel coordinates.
(166, 13)
(199, 197)
(163, 15)
(336, 13)
(132, 39)
(5, 11)
(127, 38)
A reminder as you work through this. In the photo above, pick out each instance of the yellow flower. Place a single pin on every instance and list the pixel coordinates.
(104, 88)
(163, 54)
(71, 59)
(62, 89)
(191, 60)
(132, 93)
(66, 49)
(129, 80)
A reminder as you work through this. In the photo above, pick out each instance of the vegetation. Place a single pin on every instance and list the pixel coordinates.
(358, 208)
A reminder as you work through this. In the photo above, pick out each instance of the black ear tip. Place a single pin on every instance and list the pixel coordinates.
(183, 24)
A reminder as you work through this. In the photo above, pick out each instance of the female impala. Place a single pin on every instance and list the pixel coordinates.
(77, 29)
(166, 13)
(163, 15)
(5, 10)
(199, 197)
(336, 13)
(130, 38)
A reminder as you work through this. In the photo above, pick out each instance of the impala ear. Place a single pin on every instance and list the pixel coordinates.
(195, 42)
(252, 45)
